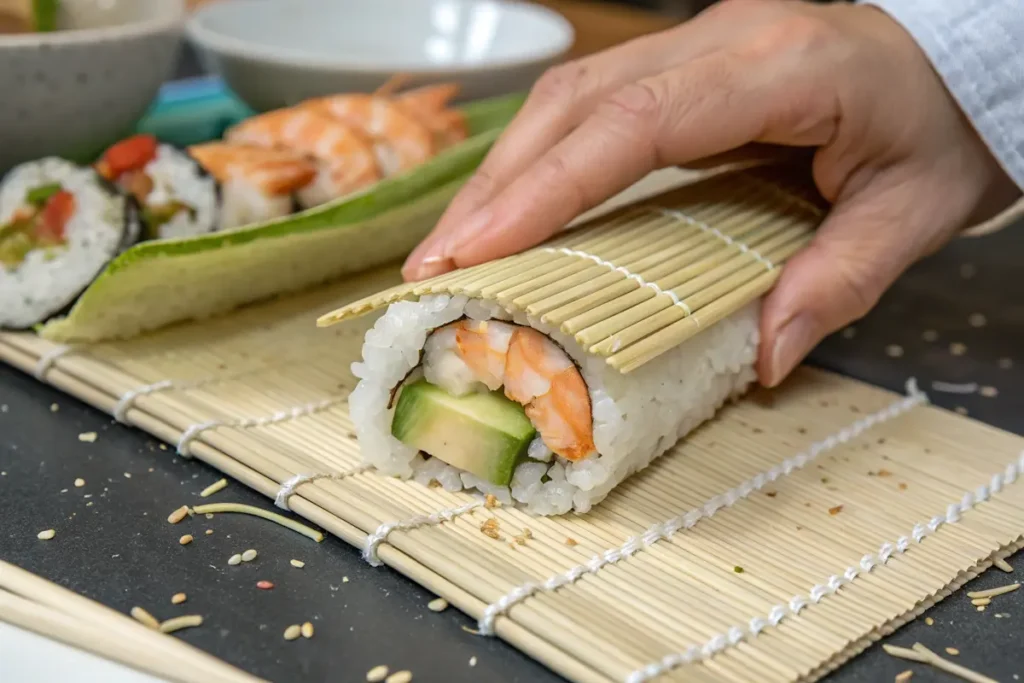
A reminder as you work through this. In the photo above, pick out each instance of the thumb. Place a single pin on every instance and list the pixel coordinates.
(865, 243)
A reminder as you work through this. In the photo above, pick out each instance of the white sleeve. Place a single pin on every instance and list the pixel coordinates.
(977, 48)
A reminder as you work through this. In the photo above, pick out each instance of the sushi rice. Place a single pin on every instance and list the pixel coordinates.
(178, 178)
(103, 223)
(636, 417)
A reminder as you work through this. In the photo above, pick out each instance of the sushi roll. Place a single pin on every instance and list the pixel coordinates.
(176, 197)
(257, 184)
(462, 393)
(60, 225)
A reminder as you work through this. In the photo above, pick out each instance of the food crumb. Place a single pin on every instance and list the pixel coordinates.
(957, 349)
(960, 410)
(771, 494)
(929, 621)
(952, 651)
(472, 661)
(235, 559)
(399, 677)
(264, 585)
(307, 630)
(738, 569)
(930, 335)
(209, 531)
(377, 674)
(249, 555)
(977, 320)
(178, 598)
(437, 605)
(904, 676)
(79, 483)
(292, 632)
(185, 540)
(901, 486)
(127, 475)
(143, 617)
(344, 579)
(981, 608)
(163, 447)
(46, 534)
(1004, 565)
(87, 437)
(571, 542)
(54, 407)
(835, 510)
(213, 488)
(178, 515)
(490, 502)
(490, 529)
(894, 350)
(989, 392)
(298, 564)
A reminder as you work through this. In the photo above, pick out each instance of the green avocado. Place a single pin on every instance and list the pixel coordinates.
(483, 434)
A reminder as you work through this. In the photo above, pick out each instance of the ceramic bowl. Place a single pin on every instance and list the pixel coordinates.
(72, 92)
(276, 53)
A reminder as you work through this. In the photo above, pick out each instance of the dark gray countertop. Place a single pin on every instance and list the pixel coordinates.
(121, 551)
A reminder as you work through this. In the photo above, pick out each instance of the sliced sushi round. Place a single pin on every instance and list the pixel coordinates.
(60, 224)
(176, 197)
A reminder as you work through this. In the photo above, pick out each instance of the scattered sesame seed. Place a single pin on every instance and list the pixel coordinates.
(571, 542)
(46, 535)
(952, 651)
(54, 407)
(87, 437)
(185, 540)
(249, 555)
(143, 617)
(989, 392)
(163, 447)
(209, 531)
(929, 621)
(836, 510)
(930, 335)
(472, 661)
(344, 579)
(977, 320)
(377, 674)
(178, 598)
(213, 488)
(79, 483)
(894, 350)
(235, 559)
(298, 564)
(178, 514)
(292, 632)
(307, 630)
(399, 677)
(437, 605)
(957, 349)
(980, 608)
(127, 475)
(264, 585)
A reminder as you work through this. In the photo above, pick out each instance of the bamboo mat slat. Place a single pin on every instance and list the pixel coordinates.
(774, 543)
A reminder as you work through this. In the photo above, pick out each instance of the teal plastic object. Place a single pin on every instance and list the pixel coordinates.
(191, 111)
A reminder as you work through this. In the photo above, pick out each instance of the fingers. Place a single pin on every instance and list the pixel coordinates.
(562, 98)
(865, 244)
(709, 105)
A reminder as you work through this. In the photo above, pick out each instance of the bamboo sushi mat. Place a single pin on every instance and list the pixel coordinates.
(774, 543)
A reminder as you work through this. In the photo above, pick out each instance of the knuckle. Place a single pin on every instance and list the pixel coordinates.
(561, 83)
(636, 104)
(558, 173)
(792, 33)
(480, 184)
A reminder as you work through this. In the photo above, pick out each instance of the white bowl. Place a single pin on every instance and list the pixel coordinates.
(74, 91)
(275, 53)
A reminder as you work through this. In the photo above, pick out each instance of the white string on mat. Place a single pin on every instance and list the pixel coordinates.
(48, 359)
(194, 431)
(374, 540)
(128, 398)
(625, 271)
(788, 196)
(666, 529)
(954, 388)
(701, 225)
(817, 593)
(288, 488)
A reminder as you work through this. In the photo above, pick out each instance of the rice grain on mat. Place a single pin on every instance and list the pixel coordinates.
(249, 555)
(292, 632)
(399, 677)
(178, 598)
(143, 617)
(377, 674)
(178, 514)
(46, 534)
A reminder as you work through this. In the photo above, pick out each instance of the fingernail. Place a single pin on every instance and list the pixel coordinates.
(432, 266)
(467, 232)
(792, 343)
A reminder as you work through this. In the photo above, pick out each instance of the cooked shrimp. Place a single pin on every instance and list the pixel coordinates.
(429, 105)
(428, 97)
(273, 171)
(347, 158)
(535, 373)
(400, 141)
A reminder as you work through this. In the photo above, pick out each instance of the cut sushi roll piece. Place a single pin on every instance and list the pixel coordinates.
(177, 198)
(447, 385)
(60, 225)
(257, 184)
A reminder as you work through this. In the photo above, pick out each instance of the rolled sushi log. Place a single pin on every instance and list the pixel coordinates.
(60, 225)
(177, 198)
(460, 392)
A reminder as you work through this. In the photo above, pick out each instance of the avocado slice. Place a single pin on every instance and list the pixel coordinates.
(485, 434)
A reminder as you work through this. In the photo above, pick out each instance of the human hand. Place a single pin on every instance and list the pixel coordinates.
(902, 166)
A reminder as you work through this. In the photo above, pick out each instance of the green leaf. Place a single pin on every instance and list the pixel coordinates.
(44, 15)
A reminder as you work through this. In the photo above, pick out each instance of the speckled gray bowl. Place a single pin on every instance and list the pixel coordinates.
(73, 92)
